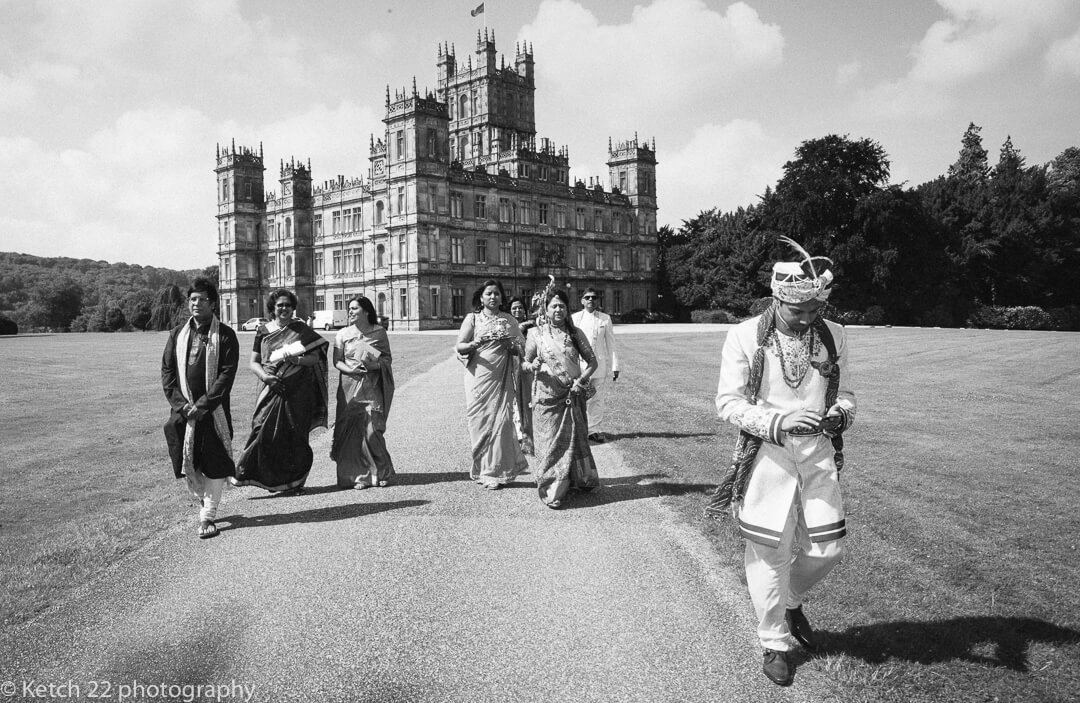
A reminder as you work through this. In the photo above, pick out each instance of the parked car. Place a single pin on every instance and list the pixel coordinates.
(253, 324)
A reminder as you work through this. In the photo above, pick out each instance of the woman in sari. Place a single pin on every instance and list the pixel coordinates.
(559, 356)
(491, 343)
(365, 391)
(289, 359)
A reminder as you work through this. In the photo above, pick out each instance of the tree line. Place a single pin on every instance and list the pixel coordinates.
(982, 245)
(81, 295)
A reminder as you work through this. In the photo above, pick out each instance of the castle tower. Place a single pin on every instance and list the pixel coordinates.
(240, 214)
(288, 256)
(632, 169)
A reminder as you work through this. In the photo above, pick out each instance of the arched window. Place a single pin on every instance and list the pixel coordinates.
(288, 227)
(463, 106)
(379, 213)
(382, 304)
(288, 266)
(463, 148)
(380, 251)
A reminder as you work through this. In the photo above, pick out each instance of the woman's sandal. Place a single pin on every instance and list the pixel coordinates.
(207, 529)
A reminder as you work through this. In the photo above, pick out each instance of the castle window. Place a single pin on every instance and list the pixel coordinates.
(224, 191)
(358, 219)
(358, 259)
(480, 204)
(318, 268)
(288, 266)
(506, 253)
(432, 141)
(560, 216)
(580, 221)
(481, 251)
(403, 301)
(434, 301)
(504, 209)
(247, 189)
(338, 264)
(457, 302)
(381, 303)
(402, 249)
(320, 302)
(616, 224)
(226, 270)
(379, 212)
(400, 200)
(336, 216)
(622, 181)
(401, 145)
(463, 106)
(339, 301)
(581, 257)
(288, 227)
(455, 205)
(616, 302)
(463, 149)
(598, 220)
(380, 253)
(599, 259)
(526, 253)
(318, 225)
(616, 261)
(543, 213)
(457, 250)
(543, 173)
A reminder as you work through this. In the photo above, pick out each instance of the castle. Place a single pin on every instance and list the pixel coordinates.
(457, 191)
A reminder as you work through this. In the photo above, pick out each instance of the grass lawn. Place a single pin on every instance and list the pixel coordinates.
(961, 489)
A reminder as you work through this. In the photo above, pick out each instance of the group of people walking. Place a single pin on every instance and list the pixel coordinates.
(290, 361)
(528, 384)
(531, 389)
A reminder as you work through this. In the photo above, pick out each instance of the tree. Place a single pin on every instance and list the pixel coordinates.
(971, 166)
(166, 308)
(814, 202)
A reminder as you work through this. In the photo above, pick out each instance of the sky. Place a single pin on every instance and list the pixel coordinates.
(111, 110)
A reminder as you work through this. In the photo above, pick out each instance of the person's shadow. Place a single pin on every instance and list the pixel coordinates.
(614, 437)
(989, 640)
(337, 512)
(616, 489)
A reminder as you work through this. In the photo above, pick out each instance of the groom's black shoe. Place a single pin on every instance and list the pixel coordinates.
(799, 626)
(778, 668)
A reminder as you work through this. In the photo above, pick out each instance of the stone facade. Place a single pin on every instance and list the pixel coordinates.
(457, 191)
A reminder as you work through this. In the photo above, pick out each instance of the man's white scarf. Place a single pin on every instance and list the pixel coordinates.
(221, 425)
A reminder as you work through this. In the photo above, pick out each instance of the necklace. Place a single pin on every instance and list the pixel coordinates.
(795, 353)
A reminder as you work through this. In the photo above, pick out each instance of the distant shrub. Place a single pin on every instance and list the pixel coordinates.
(998, 317)
(712, 317)
(843, 317)
(8, 326)
(1028, 318)
(937, 316)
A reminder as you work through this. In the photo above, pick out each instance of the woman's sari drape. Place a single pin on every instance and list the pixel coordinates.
(560, 421)
(278, 456)
(363, 405)
(490, 395)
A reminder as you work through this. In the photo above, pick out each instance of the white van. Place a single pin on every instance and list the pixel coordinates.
(330, 319)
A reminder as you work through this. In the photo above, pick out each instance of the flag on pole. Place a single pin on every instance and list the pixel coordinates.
(478, 10)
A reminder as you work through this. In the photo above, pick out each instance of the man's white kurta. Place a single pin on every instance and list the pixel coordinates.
(601, 335)
(786, 465)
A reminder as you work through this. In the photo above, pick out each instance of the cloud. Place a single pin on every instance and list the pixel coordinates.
(671, 56)
(847, 72)
(15, 92)
(977, 38)
(1063, 56)
(725, 166)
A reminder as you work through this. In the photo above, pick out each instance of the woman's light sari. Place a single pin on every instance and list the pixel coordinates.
(560, 422)
(278, 456)
(490, 395)
(363, 405)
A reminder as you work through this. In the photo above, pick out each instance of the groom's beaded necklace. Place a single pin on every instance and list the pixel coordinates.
(795, 353)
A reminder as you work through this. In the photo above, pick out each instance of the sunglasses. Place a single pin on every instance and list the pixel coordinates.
(588, 297)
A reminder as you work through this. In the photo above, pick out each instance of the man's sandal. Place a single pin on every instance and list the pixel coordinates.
(207, 529)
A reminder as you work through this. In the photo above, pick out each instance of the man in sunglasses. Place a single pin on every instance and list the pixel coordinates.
(601, 334)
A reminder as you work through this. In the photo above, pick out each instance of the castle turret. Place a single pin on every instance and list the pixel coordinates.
(240, 215)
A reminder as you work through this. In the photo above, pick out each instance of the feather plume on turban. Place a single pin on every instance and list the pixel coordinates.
(799, 281)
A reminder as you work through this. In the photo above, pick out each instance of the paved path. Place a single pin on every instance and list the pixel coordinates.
(430, 590)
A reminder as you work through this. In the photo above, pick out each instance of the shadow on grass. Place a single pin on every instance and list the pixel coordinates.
(338, 512)
(994, 641)
(611, 437)
(622, 488)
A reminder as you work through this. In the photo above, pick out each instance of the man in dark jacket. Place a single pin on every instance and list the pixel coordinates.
(197, 372)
